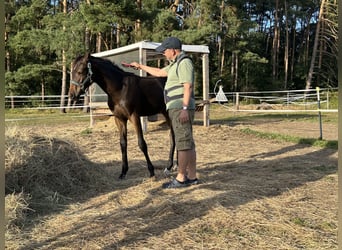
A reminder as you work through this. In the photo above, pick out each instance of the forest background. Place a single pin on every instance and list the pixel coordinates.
(254, 45)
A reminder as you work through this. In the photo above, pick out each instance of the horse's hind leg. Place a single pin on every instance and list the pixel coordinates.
(172, 150)
(142, 143)
(122, 126)
(170, 163)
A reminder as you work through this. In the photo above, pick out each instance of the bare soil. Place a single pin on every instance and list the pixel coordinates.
(254, 193)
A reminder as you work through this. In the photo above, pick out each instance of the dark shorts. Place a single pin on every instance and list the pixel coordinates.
(183, 132)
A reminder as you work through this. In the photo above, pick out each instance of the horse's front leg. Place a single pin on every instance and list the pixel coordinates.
(135, 119)
(122, 126)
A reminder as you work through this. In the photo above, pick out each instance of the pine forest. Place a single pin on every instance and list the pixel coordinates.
(254, 45)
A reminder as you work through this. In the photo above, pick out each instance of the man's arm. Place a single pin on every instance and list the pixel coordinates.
(151, 70)
(187, 94)
(184, 115)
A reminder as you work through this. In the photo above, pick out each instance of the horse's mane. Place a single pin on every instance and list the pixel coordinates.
(111, 66)
(105, 64)
(76, 61)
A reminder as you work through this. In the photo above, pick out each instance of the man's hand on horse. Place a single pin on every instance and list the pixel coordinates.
(134, 65)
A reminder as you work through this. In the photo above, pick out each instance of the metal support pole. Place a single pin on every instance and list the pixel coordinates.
(205, 66)
(142, 60)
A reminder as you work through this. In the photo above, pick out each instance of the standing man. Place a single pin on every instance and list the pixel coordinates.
(180, 103)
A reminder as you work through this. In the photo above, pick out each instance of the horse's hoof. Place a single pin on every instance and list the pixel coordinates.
(122, 176)
(175, 167)
(167, 172)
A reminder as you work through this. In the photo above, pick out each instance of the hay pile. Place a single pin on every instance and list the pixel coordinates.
(43, 174)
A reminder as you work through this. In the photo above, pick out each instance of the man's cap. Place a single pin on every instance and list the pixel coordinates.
(169, 43)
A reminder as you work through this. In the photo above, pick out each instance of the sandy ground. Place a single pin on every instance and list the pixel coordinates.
(254, 193)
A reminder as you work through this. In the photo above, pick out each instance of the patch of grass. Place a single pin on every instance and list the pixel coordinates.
(324, 168)
(218, 112)
(299, 221)
(26, 117)
(87, 131)
(327, 117)
(326, 225)
(333, 144)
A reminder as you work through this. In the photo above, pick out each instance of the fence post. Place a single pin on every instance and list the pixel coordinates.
(237, 101)
(12, 102)
(319, 114)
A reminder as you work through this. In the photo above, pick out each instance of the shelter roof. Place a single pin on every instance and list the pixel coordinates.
(150, 47)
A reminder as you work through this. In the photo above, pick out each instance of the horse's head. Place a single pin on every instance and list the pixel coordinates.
(81, 74)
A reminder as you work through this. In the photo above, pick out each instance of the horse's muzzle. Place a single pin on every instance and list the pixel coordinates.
(73, 97)
(74, 94)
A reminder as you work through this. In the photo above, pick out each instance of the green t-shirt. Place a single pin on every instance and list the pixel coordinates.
(175, 79)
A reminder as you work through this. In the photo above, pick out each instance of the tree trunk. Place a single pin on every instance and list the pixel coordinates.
(87, 39)
(7, 70)
(87, 35)
(275, 43)
(286, 52)
(7, 58)
(221, 42)
(236, 75)
(314, 52)
(99, 42)
(69, 99)
(64, 68)
(43, 91)
(87, 46)
(321, 49)
(293, 50)
(118, 35)
(222, 61)
(232, 71)
(138, 22)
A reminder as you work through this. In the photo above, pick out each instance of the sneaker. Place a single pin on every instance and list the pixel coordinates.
(192, 182)
(175, 184)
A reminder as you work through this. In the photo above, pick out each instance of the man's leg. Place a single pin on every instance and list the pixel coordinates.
(182, 165)
(191, 170)
(186, 165)
(186, 157)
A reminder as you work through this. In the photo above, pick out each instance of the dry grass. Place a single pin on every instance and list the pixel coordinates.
(17, 205)
(42, 174)
(255, 193)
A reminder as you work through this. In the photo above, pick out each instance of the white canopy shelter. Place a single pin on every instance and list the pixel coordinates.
(143, 52)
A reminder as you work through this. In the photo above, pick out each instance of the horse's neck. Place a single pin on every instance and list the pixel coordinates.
(108, 79)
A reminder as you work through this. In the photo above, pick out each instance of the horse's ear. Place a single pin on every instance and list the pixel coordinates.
(86, 56)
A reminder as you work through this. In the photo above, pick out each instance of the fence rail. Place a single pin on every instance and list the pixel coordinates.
(312, 100)
(301, 101)
(291, 100)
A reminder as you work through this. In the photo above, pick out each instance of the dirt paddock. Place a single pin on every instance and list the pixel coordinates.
(254, 193)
